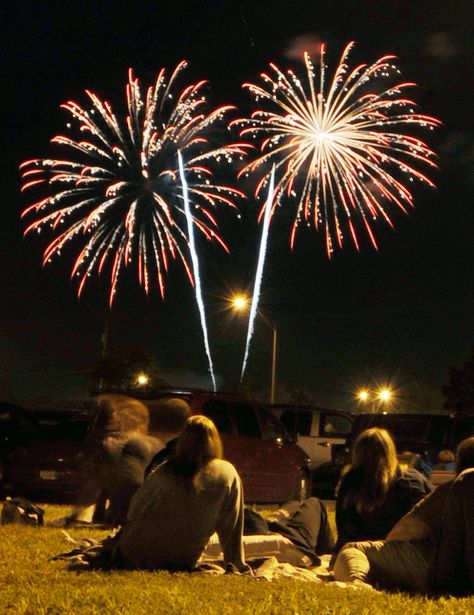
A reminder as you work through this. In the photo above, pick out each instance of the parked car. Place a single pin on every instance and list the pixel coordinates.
(51, 462)
(17, 428)
(317, 431)
(419, 437)
(272, 467)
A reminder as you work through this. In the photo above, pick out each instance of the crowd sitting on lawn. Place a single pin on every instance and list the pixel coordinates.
(394, 530)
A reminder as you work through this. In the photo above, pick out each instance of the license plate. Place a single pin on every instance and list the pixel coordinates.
(48, 475)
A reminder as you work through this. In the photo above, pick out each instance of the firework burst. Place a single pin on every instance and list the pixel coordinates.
(340, 149)
(119, 188)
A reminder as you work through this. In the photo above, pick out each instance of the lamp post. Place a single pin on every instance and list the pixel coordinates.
(240, 303)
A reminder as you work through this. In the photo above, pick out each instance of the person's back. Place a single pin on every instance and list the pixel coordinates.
(406, 489)
(169, 524)
(374, 493)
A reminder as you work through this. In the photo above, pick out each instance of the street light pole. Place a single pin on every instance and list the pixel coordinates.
(274, 355)
(240, 303)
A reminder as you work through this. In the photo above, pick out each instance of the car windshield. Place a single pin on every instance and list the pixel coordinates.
(404, 428)
(68, 430)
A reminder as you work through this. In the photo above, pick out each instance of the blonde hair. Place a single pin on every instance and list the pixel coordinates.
(374, 466)
(198, 444)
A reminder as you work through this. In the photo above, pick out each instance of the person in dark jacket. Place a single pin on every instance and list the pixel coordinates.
(374, 493)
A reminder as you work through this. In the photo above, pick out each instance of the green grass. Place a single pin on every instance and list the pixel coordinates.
(30, 584)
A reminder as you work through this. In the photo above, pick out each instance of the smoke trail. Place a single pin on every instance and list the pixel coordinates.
(195, 261)
(259, 272)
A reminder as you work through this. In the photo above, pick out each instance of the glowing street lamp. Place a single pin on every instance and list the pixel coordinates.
(241, 303)
(383, 396)
(142, 379)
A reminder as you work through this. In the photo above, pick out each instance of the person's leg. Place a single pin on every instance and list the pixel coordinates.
(352, 564)
(392, 565)
(308, 524)
(285, 511)
(311, 521)
(453, 565)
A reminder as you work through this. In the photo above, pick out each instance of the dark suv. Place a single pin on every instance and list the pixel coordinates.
(272, 467)
(50, 461)
(418, 437)
(17, 428)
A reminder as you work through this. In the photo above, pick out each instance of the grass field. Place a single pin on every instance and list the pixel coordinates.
(30, 584)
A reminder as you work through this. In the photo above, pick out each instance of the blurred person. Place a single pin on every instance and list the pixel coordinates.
(119, 452)
(187, 498)
(374, 492)
(431, 549)
(171, 414)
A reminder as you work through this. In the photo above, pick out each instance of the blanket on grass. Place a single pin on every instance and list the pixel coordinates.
(91, 554)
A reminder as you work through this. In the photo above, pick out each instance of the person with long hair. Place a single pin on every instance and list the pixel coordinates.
(374, 493)
(187, 498)
(431, 549)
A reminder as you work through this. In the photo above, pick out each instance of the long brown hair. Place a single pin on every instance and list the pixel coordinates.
(374, 466)
(198, 444)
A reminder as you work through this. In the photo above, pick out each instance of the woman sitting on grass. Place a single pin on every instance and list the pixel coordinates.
(182, 503)
(374, 493)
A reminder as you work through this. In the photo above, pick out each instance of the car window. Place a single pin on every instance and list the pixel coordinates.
(218, 412)
(14, 421)
(288, 419)
(24, 424)
(271, 427)
(464, 428)
(297, 422)
(334, 425)
(69, 431)
(245, 420)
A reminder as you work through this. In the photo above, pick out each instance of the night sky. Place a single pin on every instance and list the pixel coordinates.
(402, 315)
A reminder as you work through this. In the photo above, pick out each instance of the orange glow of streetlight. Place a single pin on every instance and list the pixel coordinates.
(142, 379)
(376, 399)
(385, 394)
(240, 302)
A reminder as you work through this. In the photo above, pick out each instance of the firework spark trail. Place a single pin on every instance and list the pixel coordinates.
(259, 273)
(338, 146)
(195, 262)
(117, 192)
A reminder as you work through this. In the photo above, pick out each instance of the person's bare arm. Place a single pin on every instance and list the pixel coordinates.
(410, 527)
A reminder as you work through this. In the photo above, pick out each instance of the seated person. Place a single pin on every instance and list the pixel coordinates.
(431, 548)
(187, 498)
(171, 414)
(374, 493)
(446, 461)
(296, 533)
(120, 451)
